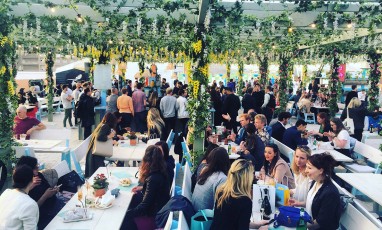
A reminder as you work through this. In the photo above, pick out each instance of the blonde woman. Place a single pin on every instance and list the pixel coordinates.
(358, 113)
(233, 204)
(301, 179)
(155, 125)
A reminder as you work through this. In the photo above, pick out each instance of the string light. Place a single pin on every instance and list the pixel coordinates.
(260, 45)
(349, 25)
(53, 9)
(273, 46)
(79, 18)
(313, 25)
(290, 29)
(110, 41)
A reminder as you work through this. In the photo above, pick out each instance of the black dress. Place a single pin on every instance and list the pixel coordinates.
(93, 162)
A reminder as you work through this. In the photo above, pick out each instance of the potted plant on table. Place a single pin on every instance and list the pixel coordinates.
(133, 138)
(100, 185)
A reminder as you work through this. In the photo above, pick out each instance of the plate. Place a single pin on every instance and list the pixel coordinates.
(102, 207)
(124, 185)
(89, 217)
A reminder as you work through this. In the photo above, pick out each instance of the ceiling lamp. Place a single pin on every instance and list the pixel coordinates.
(290, 29)
(313, 25)
(79, 18)
(349, 25)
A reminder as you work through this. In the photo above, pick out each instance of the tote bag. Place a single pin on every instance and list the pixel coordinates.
(103, 149)
(349, 123)
(202, 220)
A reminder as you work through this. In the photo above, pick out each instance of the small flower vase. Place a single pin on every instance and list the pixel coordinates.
(133, 142)
(99, 192)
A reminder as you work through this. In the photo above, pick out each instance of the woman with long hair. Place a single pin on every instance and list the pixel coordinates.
(104, 131)
(155, 191)
(210, 178)
(340, 137)
(233, 204)
(154, 100)
(18, 210)
(155, 125)
(324, 121)
(168, 159)
(301, 180)
(323, 200)
(276, 167)
(358, 113)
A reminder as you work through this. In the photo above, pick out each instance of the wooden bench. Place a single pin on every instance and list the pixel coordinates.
(371, 155)
(186, 184)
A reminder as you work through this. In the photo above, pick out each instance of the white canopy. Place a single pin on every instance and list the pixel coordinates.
(75, 65)
(30, 75)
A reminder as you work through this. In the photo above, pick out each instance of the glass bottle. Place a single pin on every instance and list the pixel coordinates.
(266, 205)
(229, 149)
(371, 128)
(301, 223)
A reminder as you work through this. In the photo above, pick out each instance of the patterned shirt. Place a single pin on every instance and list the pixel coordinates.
(264, 136)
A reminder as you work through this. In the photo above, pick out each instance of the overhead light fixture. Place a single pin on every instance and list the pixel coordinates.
(110, 41)
(260, 45)
(122, 42)
(350, 24)
(273, 46)
(290, 29)
(313, 25)
(79, 18)
(53, 9)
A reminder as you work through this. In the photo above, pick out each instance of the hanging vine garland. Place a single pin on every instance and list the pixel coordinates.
(240, 85)
(8, 100)
(333, 85)
(285, 67)
(49, 61)
(375, 75)
(264, 64)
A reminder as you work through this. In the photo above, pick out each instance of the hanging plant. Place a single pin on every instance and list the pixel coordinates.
(375, 75)
(240, 84)
(49, 61)
(263, 62)
(333, 85)
(285, 67)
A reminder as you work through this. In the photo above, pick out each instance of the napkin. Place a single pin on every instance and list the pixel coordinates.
(106, 200)
(121, 174)
(75, 214)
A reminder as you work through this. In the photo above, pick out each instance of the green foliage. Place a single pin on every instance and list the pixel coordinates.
(375, 75)
(286, 65)
(49, 61)
(333, 83)
(240, 84)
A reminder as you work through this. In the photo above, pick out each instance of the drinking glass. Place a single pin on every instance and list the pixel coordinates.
(22, 137)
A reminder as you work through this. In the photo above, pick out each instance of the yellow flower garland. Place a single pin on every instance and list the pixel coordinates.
(204, 70)
(3, 40)
(11, 89)
(3, 70)
(196, 88)
(197, 46)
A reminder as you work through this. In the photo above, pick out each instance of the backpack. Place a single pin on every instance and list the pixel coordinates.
(272, 101)
(176, 203)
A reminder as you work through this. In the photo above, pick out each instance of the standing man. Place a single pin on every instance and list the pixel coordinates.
(168, 110)
(351, 94)
(66, 99)
(129, 88)
(278, 128)
(139, 104)
(125, 106)
(258, 96)
(231, 84)
(76, 97)
(231, 106)
(269, 104)
(183, 115)
(112, 104)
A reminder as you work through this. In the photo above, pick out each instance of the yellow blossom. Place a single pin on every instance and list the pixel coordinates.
(197, 46)
(204, 70)
(196, 88)
(75, 51)
(3, 70)
(11, 89)
(3, 40)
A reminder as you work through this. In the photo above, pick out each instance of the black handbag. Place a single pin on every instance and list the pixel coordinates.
(70, 182)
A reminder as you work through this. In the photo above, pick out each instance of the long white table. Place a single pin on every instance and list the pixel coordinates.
(335, 154)
(369, 184)
(125, 152)
(110, 218)
(43, 145)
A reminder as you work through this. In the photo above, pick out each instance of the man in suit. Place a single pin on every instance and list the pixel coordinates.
(242, 134)
(296, 135)
(258, 96)
(231, 106)
(278, 128)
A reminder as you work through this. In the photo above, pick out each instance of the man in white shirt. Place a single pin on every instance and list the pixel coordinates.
(362, 97)
(76, 97)
(181, 106)
(66, 99)
(168, 110)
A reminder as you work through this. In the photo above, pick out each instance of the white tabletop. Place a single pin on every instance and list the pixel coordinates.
(41, 144)
(125, 152)
(320, 107)
(102, 219)
(335, 154)
(369, 184)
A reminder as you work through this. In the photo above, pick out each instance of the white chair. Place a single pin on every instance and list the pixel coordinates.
(27, 151)
(285, 150)
(170, 138)
(182, 224)
(62, 168)
(186, 185)
(371, 155)
(173, 185)
(352, 219)
(78, 154)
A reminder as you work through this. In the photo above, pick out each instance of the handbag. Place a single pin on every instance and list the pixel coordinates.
(103, 149)
(202, 220)
(282, 194)
(289, 217)
(70, 182)
(349, 123)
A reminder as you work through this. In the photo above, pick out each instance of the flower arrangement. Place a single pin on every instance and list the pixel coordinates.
(100, 182)
(131, 135)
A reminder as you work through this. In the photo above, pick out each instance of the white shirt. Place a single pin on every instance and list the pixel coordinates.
(18, 211)
(343, 135)
(181, 105)
(65, 102)
(309, 199)
(76, 95)
(361, 96)
(302, 187)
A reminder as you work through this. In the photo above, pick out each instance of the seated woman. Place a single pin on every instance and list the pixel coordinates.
(169, 160)
(253, 148)
(276, 167)
(202, 164)
(155, 125)
(42, 193)
(104, 131)
(301, 180)
(18, 210)
(323, 201)
(155, 191)
(233, 204)
(210, 178)
(340, 137)
(323, 120)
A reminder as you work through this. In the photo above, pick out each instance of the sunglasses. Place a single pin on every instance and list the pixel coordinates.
(304, 147)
